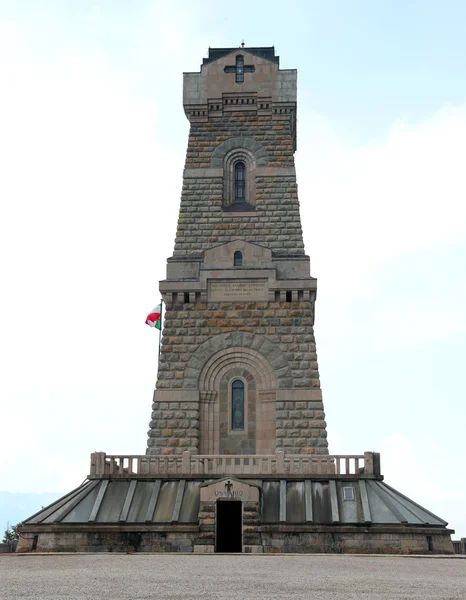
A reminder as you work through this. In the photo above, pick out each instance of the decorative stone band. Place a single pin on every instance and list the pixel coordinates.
(365, 465)
(206, 172)
(204, 364)
(252, 146)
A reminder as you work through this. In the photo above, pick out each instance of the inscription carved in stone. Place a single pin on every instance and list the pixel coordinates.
(246, 289)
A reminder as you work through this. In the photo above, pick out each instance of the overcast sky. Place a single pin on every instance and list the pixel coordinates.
(92, 144)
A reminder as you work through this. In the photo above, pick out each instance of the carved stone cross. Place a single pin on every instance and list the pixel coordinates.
(240, 69)
(228, 486)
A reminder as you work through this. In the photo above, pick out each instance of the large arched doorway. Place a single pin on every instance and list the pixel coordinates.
(237, 403)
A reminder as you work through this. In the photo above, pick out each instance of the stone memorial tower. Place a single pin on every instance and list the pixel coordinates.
(237, 457)
(238, 370)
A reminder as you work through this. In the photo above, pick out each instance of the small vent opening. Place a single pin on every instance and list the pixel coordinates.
(348, 493)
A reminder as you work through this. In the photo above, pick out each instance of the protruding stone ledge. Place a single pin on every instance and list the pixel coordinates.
(217, 172)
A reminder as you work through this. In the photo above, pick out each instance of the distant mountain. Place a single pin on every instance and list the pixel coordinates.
(16, 507)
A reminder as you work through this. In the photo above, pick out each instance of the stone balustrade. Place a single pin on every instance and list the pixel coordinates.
(278, 464)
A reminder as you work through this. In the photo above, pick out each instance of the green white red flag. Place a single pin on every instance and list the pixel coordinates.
(154, 317)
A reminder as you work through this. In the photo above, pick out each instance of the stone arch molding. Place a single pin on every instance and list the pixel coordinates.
(244, 358)
(230, 159)
(220, 359)
(254, 148)
(221, 352)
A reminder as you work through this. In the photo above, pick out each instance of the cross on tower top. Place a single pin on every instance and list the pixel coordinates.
(240, 68)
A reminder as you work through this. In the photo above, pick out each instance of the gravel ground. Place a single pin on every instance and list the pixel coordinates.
(230, 577)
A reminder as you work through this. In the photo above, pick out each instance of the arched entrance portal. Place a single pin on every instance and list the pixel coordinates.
(237, 403)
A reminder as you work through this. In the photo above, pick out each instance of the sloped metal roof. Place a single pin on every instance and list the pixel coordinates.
(294, 502)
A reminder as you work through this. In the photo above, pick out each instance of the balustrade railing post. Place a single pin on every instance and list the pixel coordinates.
(280, 461)
(186, 463)
(93, 467)
(98, 463)
(368, 463)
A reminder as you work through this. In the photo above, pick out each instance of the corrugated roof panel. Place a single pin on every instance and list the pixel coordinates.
(423, 514)
(295, 507)
(410, 515)
(321, 506)
(380, 512)
(140, 503)
(166, 501)
(47, 514)
(112, 503)
(80, 513)
(270, 501)
(190, 505)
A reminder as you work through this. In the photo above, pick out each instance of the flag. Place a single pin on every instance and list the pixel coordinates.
(153, 318)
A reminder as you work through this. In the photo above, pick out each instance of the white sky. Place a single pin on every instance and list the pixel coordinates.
(92, 147)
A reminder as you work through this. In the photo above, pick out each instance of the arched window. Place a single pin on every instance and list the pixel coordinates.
(237, 405)
(240, 182)
(239, 69)
(237, 259)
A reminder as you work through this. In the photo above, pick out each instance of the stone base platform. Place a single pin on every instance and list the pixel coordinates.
(330, 514)
(327, 540)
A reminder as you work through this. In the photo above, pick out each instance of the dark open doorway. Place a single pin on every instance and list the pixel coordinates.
(229, 526)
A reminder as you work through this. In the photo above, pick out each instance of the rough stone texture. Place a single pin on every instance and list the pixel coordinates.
(275, 222)
(281, 332)
(206, 536)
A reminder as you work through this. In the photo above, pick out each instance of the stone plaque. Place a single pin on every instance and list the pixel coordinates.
(238, 289)
(229, 489)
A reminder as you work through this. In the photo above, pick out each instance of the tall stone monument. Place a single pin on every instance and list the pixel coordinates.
(237, 457)
(238, 363)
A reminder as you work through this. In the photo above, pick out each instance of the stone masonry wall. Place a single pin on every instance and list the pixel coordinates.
(300, 424)
(272, 220)
(275, 222)
(256, 538)
(275, 136)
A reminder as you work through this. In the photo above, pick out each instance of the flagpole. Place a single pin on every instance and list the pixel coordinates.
(160, 330)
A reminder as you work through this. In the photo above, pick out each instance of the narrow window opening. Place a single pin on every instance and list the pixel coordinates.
(186, 297)
(277, 296)
(430, 544)
(240, 182)
(237, 259)
(237, 405)
(239, 69)
(288, 296)
(300, 295)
